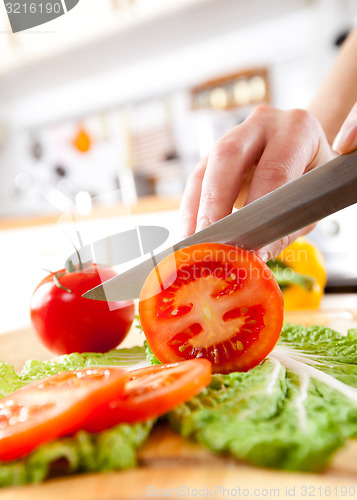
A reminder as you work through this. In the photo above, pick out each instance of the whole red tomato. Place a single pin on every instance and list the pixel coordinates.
(66, 322)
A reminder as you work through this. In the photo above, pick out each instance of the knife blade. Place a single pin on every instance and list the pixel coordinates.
(299, 203)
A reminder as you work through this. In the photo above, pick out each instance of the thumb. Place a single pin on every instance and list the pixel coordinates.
(346, 139)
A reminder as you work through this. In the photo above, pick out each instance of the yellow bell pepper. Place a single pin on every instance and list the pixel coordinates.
(301, 273)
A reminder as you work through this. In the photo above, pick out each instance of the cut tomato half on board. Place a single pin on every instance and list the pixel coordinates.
(151, 392)
(212, 301)
(52, 407)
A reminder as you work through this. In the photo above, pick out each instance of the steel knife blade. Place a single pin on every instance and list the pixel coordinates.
(299, 203)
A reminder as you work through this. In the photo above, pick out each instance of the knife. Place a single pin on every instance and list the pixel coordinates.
(299, 203)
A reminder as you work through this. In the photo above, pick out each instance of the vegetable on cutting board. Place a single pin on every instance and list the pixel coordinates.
(53, 407)
(66, 322)
(212, 301)
(152, 392)
(300, 272)
(286, 403)
(93, 399)
(292, 412)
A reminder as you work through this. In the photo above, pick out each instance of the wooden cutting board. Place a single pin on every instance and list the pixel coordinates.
(177, 468)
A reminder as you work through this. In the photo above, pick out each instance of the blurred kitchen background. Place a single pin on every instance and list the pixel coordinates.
(106, 110)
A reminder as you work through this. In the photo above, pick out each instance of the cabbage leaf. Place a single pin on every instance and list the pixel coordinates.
(291, 412)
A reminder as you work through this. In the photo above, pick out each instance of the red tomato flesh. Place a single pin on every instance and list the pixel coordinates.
(66, 322)
(52, 407)
(151, 392)
(212, 301)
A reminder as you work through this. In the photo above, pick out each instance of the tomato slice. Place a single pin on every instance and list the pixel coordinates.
(212, 301)
(52, 407)
(151, 392)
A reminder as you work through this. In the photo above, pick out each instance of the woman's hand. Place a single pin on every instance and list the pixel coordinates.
(279, 145)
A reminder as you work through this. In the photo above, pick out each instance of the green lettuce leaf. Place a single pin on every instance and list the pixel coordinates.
(291, 412)
(34, 370)
(9, 380)
(150, 356)
(112, 449)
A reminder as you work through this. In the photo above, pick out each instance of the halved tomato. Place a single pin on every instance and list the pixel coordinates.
(54, 406)
(151, 392)
(212, 301)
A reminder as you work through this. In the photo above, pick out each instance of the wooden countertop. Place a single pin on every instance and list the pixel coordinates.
(338, 311)
(144, 205)
(169, 462)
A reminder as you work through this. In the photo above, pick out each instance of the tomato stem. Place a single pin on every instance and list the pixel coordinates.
(79, 257)
(57, 282)
(69, 265)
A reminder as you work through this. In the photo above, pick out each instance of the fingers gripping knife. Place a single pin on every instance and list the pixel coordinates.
(303, 201)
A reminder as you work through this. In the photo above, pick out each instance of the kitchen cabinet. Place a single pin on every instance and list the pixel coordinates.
(144, 205)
